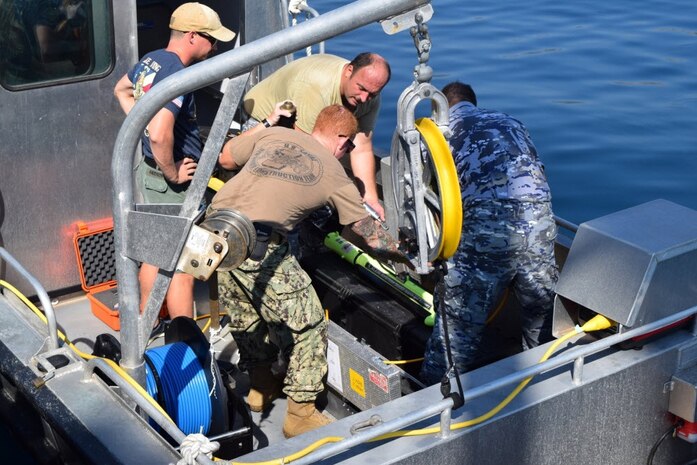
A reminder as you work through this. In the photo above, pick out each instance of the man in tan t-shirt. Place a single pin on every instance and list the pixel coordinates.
(284, 176)
(317, 81)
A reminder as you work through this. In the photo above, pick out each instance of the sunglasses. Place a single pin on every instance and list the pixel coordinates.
(211, 40)
(349, 146)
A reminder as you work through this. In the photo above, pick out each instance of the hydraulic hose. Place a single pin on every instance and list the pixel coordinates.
(597, 323)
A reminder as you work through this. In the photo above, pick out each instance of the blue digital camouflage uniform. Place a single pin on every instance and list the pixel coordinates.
(507, 238)
(285, 313)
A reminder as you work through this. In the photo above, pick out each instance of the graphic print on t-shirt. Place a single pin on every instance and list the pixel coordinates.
(145, 79)
(287, 161)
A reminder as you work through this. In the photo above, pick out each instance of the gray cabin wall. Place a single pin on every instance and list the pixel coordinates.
(57, 143)
(271, 21)
(55, 157)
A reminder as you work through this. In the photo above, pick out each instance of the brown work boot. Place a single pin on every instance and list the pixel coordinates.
(301, 418)
(264, 387)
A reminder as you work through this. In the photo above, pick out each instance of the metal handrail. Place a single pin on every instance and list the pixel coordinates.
(566, 224)
(443, 406)
(41, 293)
(231, 63)
(309, 13)
(146, 406)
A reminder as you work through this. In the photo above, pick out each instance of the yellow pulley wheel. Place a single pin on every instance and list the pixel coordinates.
(448, 186)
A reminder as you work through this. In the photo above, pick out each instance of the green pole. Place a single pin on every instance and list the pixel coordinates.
(406, 287)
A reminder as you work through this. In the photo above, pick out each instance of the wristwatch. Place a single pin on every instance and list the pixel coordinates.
(266, 123)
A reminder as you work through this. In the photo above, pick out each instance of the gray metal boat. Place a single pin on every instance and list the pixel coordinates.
(622, 394)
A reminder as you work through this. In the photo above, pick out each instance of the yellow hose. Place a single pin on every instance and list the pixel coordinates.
(597, 323)
(296, 455)
(84, 355)
(492, 316)
(215, 184)
(402, 362)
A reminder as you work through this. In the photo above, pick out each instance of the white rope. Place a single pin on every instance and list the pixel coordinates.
(195, 444)
(294, 6)
(213, 337)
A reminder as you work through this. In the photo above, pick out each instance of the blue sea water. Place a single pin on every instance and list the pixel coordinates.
(608, 90)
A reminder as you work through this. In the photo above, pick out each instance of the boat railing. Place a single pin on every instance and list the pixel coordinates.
(146, 406)
(575, 356)
(568, 225)
(141, 236)
(40, 292)
(309, 13)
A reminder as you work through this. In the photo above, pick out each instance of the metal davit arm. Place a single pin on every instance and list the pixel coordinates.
(232, 63)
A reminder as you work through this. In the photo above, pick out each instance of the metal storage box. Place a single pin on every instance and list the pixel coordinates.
(635, 266)
(683, 397)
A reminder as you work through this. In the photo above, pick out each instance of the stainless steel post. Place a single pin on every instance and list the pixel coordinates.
(41, 293)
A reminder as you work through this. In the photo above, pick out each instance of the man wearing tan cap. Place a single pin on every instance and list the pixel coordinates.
(171, 141)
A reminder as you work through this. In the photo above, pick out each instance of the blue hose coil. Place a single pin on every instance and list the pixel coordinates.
(179, 381)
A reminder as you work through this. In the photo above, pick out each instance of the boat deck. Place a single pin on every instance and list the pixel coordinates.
(81, 326)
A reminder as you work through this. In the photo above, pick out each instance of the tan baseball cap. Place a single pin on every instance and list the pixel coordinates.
(196, 17)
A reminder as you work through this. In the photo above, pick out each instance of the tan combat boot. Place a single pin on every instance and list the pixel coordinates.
(301, 418)
(264, 387)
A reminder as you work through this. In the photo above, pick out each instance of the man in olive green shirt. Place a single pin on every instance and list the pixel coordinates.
(317, 81)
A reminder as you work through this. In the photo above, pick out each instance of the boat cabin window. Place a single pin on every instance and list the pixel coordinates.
(43, 42)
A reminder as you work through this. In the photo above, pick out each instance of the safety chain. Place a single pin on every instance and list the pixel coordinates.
(422, 42)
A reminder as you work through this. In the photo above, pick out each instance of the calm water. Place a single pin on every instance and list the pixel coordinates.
(608, 90)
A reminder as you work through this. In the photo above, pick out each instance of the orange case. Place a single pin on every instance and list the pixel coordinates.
(94, 249)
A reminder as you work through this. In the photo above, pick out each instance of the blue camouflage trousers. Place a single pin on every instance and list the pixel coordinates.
(503, 243)
(284, 314)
